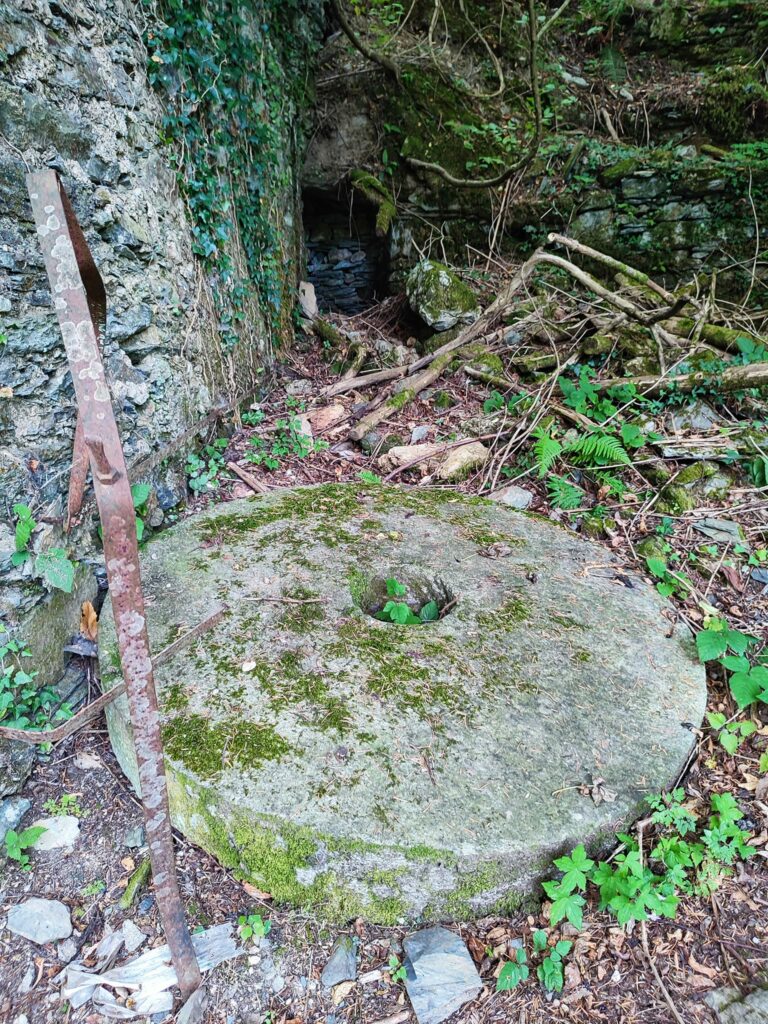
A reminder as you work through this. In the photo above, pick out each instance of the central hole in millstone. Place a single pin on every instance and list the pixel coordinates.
(406, 598)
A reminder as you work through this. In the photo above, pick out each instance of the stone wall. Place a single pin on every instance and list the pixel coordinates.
(75, 95)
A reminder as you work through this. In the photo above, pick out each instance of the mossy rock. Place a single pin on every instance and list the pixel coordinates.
(440, 297)
(359, 767)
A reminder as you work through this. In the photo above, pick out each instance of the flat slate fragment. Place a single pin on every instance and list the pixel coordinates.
(401, 773)
(39, 920)
(440, 974)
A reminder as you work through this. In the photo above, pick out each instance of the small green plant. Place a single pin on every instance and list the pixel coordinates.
(67, 803)
(669, 583)
(253, 417)
(25, 526)
(687, 857)
(730, 735)
(716, 639)
(250, 925)
(289, 440)
(140, 494)
(513, 972)
(563, 494)
(22, 704)
(550, 970)
(94, 888)
(396, 969)
(17, 842)
(203, 470)
(398, 610)
(367, 477)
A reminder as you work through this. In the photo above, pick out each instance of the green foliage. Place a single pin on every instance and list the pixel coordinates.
(550, 970)
(367, 477)
(203, 470)
(683, 859)
(398, 611)
(597, 449)
(22, 704)
(249, 925)
(94, 888)
(68, 803)
(748, 683)
(546, 450)
(233, 78)
(288, 440)
(140, 494)
(253, 417)
(717, 638)
(563, 494)
(397, 970)
(670, 583)
(513, 973)
(25, 525)
(730, 735)
(17, 842)
(56, 569)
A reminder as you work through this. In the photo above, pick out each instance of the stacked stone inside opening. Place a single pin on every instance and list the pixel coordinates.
(346, 259)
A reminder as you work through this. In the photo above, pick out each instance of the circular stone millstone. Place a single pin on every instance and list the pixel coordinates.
(410, 771)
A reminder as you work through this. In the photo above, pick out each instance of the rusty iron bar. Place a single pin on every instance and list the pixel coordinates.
(80, 302)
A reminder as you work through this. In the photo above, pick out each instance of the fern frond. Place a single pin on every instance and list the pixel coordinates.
(545, 451)
(598, 449)
(563, 494)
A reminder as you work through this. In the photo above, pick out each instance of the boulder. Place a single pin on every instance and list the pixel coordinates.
(290, 728)
(439, 297)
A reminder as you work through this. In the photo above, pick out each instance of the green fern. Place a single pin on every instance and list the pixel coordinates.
(597, 449)
(545, 450)
(563, 494)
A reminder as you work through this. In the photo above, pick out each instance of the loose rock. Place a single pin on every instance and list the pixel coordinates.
(731, 1008)
(441, 975)
(440, 298)
(12, 811)
(61, 833)
(515, 497)
(40, 920)
(342, 965)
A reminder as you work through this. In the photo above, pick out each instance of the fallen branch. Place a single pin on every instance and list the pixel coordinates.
(732, 378)
(253, 483)
(609, 261)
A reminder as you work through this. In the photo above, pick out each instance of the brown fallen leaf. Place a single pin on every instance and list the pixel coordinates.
(709, 972)
(128, 863)
(341, 991)
(257, 894)
(761, 790)
(89, 623)
(734, 577)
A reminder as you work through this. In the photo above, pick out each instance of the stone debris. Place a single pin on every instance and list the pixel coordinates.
(731, 1008)
(342, 964)
(440, 974)
(12, 811)
(39, 920)
(66, 950)
(453, 464)
(514, 496)
(133, 937)
(722, 531)
(308, 300)
(134, 838)
(61, 833)
(321, 419)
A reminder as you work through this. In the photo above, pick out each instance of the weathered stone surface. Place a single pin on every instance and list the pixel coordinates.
(16, 760)
(731, 1008)
(440, 298)
(440, 974)
(39, 920)
(514, 496)
(291, 729)
(448, 465)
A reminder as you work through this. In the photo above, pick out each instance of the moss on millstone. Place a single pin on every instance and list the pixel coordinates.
(202, 745)
(512, 612)
(307, 611)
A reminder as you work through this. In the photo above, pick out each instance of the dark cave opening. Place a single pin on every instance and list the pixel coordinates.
(347, 261)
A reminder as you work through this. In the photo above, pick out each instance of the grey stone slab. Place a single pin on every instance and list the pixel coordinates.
(440, 974)
(61, 833)
(342, 963)
(39, 920)
(289, 729)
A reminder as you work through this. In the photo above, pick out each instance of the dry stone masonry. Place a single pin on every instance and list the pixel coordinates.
(405, 772)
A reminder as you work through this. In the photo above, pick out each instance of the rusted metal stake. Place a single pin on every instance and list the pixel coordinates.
(80, 302)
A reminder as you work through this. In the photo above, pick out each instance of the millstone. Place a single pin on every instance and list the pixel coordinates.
(417, 771)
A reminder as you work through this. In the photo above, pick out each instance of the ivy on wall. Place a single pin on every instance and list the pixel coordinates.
(234, 76)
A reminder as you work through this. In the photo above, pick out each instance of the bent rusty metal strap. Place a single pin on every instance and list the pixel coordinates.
(72, 725)
(80, 302)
